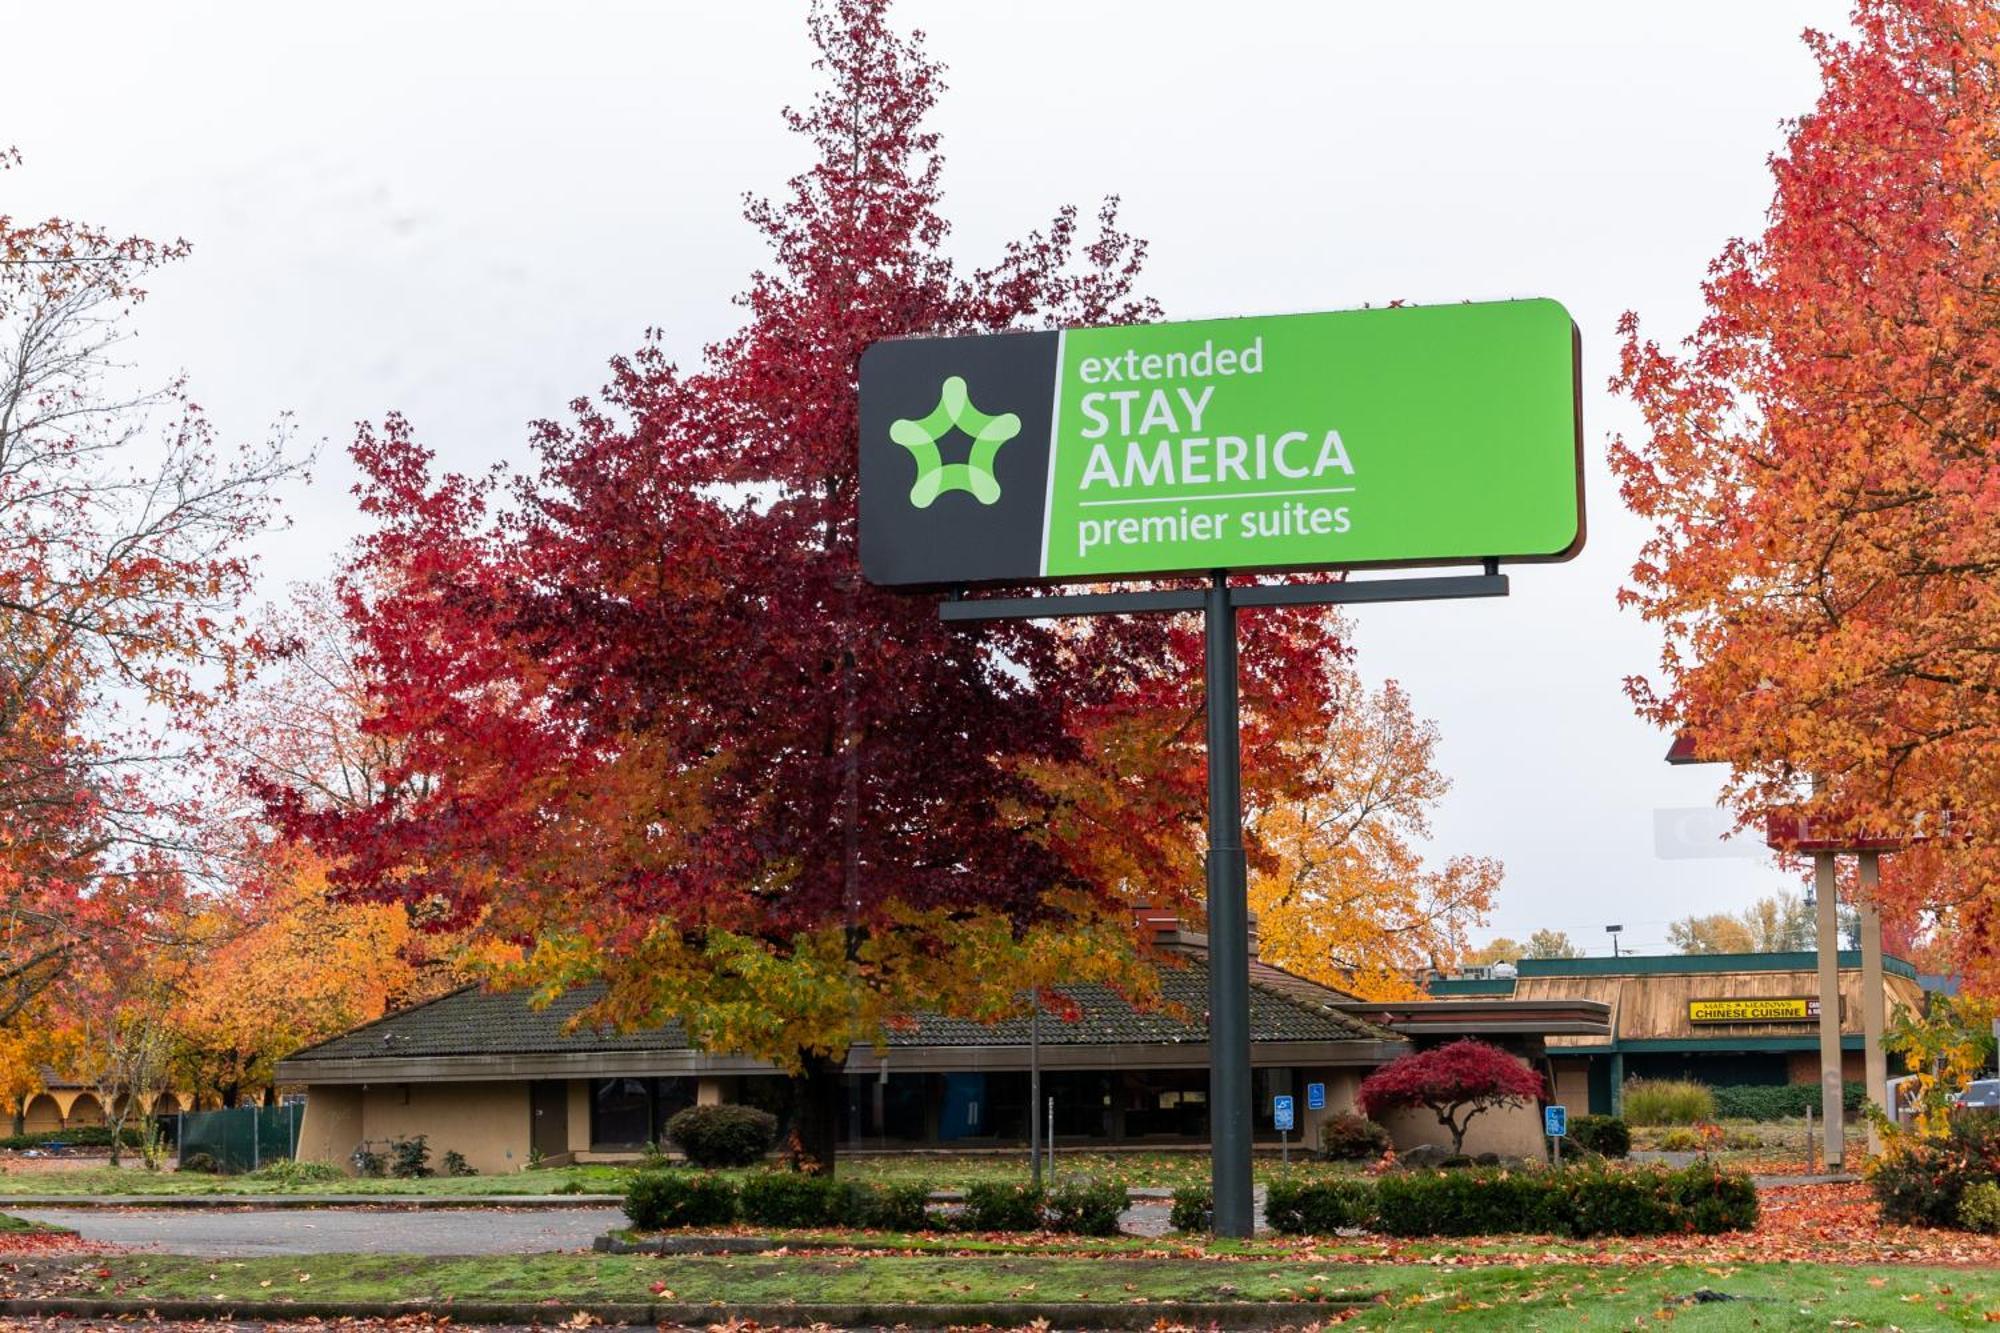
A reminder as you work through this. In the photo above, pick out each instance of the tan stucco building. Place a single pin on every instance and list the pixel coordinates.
(506, 1085)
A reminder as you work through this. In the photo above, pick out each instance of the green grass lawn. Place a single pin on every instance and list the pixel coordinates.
(10, 1223)
(939, 1170)
(1413, 1294)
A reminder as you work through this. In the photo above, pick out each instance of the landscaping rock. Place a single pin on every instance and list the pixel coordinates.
(1424, 1155)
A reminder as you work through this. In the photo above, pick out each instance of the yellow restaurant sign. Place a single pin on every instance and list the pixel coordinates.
(1780, 1009)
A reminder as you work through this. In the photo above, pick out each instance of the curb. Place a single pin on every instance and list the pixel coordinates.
(387, 1202)
(1062, 1314)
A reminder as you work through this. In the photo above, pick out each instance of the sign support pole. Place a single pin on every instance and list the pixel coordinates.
(1228, 927)
(1229, 1110)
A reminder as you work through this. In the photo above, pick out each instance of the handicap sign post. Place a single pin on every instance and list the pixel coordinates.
(1555, 1122)
(1316, 1092)
(1281, 1113)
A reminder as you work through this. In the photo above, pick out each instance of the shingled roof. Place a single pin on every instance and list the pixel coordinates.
(471, 1022)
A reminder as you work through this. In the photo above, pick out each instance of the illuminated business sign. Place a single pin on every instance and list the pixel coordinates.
(1783, 1009)
(1401, 436)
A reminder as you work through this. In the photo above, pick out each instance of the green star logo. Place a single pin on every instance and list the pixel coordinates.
(975, 475)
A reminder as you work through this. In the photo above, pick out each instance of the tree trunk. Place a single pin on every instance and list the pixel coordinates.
(816, 1106)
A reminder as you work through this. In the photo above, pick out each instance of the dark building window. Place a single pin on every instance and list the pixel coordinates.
(633, 1112)
(621, 1113)
(670, 1096)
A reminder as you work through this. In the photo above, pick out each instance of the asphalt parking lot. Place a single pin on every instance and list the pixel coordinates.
(251, 1231)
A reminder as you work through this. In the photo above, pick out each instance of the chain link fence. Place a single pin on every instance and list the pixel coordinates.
(242, 1138)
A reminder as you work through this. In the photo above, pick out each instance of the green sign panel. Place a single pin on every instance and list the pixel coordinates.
(1409, 435)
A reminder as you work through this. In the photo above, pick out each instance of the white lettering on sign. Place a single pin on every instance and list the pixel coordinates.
(1199, 460)
(1204, 361)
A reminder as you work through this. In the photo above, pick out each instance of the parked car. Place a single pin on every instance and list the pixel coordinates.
(1980, 1095)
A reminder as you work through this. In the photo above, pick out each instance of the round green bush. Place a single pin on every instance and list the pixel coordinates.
(723, 1135)
(896, 1208)
(1086, 1208)
(1606, 1135)
(993, 1206)
(1352, 1138)
(1194, 1209)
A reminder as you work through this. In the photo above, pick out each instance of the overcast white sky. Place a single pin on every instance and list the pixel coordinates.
(461, 210)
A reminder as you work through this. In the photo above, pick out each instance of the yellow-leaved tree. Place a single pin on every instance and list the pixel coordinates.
(1345, 896)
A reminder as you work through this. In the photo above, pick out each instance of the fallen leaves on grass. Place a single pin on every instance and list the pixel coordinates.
(16, 1243)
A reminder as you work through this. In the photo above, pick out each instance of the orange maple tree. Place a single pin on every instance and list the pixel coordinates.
(123, 528)
(1818, 465)
(258, 977)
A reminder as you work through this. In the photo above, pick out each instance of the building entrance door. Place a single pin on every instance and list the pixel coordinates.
(549, 1103)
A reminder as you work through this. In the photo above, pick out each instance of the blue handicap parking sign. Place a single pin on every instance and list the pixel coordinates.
(1281, 1112)
(1315, 1096)
(1555, 1120)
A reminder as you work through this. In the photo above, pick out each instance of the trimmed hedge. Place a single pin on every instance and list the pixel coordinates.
(83, 1136)
(726, 1135)
(665, 1200)
(1605, 1135)
(1298, 1207)
(789, 1199)
(1782, 1101)
(1578, 1202)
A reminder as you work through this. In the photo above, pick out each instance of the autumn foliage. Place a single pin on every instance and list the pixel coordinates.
(1455, 1082)
(1342, 893)
(643, 719)
(1817, 462)
(637, 718)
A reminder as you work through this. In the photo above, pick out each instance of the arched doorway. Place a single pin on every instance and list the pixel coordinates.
(43, 1116)
(85, 1110)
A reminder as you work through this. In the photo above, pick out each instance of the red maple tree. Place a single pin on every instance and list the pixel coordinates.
(647, 723)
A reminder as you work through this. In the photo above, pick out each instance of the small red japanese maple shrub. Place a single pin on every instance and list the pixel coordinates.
(1454, 1082)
